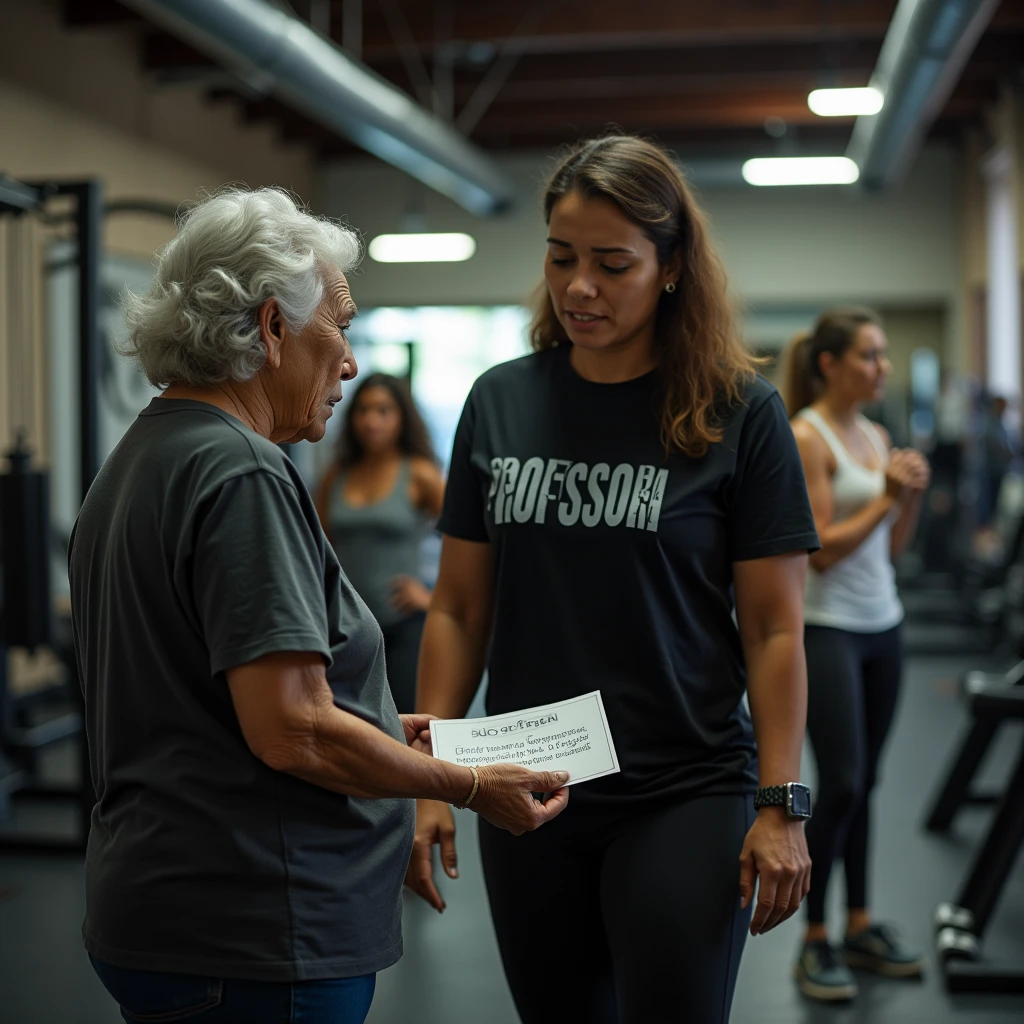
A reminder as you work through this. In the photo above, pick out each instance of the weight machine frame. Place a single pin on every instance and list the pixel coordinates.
(960, 925)
(19, 198)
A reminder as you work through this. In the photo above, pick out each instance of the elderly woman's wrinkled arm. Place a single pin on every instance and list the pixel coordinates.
(290, 722)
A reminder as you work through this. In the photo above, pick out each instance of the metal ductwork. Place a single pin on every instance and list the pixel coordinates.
(278, 53)
(924, 52)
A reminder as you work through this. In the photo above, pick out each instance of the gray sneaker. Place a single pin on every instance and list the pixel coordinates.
(880, 949)
(822, 974)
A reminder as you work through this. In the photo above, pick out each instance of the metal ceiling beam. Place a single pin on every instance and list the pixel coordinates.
(924, 53)
(279, 54)
(16, 197)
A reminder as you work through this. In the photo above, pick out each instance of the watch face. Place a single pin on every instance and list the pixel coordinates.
(800, 797)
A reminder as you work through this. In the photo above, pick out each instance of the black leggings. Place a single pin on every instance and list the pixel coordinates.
(853, 681)
(402, 654)
(622, 917)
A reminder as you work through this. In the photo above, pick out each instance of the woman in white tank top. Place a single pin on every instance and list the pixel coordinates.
(866, 498)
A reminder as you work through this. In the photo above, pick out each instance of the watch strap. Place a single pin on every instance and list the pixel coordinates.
(770, 796)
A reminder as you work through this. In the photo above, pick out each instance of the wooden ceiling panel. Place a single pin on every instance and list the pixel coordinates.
(92, 13)
(706, 74)
(569, 26)
(639, 74)
(698, 144)
(711, 110)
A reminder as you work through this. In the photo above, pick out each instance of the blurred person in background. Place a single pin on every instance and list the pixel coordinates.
(376, 502)
(253, 779)
(942, 522)
(997, 454)
(612, 500)
(866, 498)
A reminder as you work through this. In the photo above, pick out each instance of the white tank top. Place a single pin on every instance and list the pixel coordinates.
(858, 593)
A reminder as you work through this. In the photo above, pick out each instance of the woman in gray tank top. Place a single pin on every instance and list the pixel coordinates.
(376, 503)
(865, 497)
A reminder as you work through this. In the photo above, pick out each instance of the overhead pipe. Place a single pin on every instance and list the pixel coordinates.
(276, 52)
(924, 52)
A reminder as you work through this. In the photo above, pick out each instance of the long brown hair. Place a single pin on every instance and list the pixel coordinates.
(413, 438)
(833, 332)
(702, 363)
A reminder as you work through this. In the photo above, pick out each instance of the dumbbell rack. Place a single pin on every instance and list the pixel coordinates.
(960, 926)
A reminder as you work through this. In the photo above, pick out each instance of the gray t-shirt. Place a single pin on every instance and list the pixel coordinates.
(377, 543)
(198, 549)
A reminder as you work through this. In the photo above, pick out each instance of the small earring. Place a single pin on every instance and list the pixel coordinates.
(670, 287)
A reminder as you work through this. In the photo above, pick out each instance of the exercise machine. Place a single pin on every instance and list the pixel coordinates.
(960, 925)
(27, 620)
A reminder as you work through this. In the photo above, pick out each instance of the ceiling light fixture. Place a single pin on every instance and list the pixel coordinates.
(422, 248)
(845, 102)
(800, 170)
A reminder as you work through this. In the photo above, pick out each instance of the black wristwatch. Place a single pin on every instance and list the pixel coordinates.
(795, 797)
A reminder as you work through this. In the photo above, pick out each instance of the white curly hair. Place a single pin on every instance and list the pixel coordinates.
(198, 322)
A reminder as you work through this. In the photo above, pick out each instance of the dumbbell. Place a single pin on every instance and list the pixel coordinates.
(954, 936)
(949, 915)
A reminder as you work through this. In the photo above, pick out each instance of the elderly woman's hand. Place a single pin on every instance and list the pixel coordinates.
(417, 732)
(505, 797)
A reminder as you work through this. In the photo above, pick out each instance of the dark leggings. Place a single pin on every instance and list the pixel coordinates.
(622, 917)
(853, 681)
(402, 653)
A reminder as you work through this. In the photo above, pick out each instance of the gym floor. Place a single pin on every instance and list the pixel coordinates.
(451, 973)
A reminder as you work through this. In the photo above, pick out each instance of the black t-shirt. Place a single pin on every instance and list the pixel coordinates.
(198, 549)
(613, 563)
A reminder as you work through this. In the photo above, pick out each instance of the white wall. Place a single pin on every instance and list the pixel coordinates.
(783, 247)
(376, 198)
(789, 252)
(840, 244)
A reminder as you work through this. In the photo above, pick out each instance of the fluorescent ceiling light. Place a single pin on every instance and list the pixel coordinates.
(427, 248)
(845, 102)
(801, 170)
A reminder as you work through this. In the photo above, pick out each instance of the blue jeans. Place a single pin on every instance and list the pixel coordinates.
(150, 996)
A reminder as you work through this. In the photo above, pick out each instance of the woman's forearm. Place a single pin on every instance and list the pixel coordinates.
(905, 527)
(777, 693)
(339, 751)
(452, 656)
(841, 539)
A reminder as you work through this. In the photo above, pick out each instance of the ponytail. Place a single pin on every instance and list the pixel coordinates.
(833, 333)
(799, 384)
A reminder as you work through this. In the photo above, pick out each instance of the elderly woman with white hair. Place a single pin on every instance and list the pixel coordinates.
(254, 781)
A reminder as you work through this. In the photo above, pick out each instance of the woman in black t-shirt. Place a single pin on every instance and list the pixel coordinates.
(612, 500)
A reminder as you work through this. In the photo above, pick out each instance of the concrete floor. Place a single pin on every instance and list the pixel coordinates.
(451, 973)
